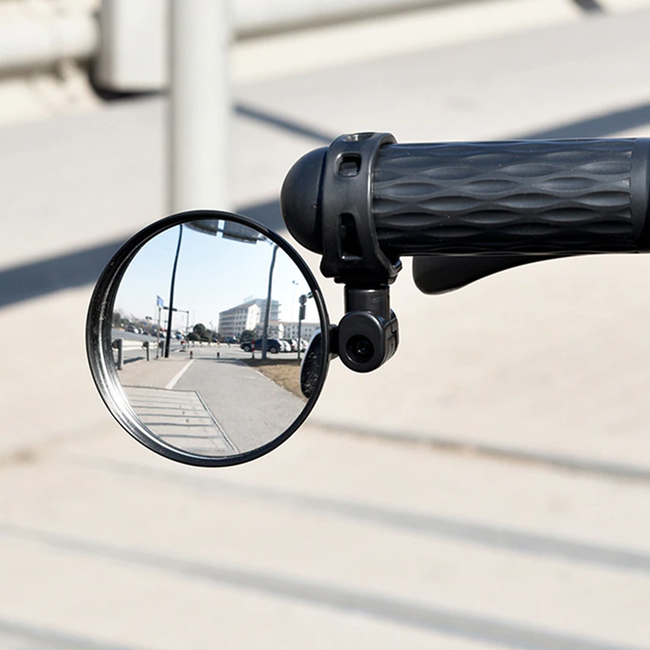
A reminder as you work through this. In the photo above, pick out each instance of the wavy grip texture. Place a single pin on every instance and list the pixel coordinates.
(553, 196)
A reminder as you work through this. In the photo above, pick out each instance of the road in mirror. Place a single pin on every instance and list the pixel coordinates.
(210, 323)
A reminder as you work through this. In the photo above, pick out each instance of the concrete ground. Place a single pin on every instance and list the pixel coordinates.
(487, 488)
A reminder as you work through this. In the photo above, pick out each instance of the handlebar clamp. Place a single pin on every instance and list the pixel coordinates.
(351, 251)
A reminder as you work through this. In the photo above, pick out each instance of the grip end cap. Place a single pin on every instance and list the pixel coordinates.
(300, 199)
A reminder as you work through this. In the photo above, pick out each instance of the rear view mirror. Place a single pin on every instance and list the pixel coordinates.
(196, 333)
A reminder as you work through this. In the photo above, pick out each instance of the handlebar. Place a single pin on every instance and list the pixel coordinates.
(365, 201)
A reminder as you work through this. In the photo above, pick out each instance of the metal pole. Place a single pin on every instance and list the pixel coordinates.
(200, 152)
(299, 337)
(301, 315)
(172, 287)
(120, 353)
(267, 308)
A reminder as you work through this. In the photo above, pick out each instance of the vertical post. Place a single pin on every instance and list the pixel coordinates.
(172, 287)
(120, 353)
(299, 337)
(301, 316)
(200, 150)
(267, 308)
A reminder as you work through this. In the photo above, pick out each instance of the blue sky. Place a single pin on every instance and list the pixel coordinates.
(213, 274)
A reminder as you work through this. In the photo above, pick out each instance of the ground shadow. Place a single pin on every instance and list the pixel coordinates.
(382, 607)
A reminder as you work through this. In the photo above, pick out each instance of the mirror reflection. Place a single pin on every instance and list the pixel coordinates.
(210, 324)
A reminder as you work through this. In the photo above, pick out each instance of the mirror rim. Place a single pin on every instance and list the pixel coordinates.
(99, 340)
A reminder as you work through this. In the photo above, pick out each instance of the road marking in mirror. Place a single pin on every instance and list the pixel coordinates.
(180, 373)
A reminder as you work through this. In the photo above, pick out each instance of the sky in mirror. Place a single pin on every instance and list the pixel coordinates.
(214, 274)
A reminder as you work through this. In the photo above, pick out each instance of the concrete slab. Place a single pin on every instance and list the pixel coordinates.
(330, 539)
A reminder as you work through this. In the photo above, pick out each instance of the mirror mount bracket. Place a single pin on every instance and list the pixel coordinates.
(367, 335)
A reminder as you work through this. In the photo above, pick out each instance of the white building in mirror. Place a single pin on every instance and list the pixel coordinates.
(247, 316)
(288, 330)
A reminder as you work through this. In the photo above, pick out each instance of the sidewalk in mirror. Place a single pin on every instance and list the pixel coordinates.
(523, 522)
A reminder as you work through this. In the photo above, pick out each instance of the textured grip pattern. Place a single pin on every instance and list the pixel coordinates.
(505, 197)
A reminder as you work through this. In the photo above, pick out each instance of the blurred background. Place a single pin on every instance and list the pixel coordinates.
(489, 487)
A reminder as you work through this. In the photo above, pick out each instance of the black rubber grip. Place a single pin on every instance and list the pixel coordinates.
(530, 197)
(365, 201)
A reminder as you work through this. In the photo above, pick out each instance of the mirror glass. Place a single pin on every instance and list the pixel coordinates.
(210, 324)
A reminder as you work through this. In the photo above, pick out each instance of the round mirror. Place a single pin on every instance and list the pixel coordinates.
(197, 331)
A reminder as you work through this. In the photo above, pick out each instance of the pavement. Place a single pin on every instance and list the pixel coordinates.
(207, 396)
(488, 488)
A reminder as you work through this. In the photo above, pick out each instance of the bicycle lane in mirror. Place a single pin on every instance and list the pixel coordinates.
(207, 400)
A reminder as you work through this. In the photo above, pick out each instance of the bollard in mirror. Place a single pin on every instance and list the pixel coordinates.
(196, 334)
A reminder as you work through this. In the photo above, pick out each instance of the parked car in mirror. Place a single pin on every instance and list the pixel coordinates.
(272, 345)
